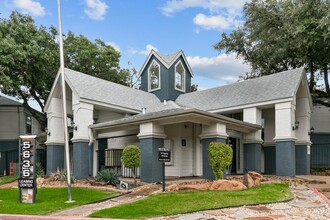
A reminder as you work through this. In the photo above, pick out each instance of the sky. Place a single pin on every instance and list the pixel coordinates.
(134, 27)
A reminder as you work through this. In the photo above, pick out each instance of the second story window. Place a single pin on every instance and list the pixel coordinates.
(179, 77)
(154, 76)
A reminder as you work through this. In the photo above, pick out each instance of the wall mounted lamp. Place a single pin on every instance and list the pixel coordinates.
(47, 132)
(311, 131)
(295, 126)
(73, 126)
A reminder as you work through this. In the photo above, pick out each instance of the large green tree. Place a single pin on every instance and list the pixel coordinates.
(29, 60)
(279, 35)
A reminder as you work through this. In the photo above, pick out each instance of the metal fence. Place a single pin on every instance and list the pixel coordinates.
(111, 159)
(320, 156)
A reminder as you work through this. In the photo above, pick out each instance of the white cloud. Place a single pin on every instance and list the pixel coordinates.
(212, 22)
(225, 14)
(114, 45)
(96, 9)
(223, 67)
(30, 6)
(146, 51)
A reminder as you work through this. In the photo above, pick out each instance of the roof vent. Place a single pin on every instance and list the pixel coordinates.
(164, 101)
(144, 110)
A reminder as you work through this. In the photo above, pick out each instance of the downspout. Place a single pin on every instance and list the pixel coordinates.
(194, 148)
(91, 152)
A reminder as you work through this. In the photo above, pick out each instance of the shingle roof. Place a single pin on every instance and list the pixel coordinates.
(8, 102)
(267, 88)
(168, 58)
(103, 91)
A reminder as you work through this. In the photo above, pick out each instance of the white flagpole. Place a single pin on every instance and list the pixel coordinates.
(66, 136)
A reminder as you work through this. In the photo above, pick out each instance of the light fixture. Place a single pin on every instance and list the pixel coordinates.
(295, 126)
(311, 131)
(73, 125)
(47, 132)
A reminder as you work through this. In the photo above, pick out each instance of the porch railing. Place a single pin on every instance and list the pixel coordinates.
(320, 156)
(111, 159)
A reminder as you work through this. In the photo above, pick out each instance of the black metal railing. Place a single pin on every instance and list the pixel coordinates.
(111, 159)
(320, 156)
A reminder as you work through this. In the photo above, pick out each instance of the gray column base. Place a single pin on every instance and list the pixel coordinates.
(207, 169)
(302, 160)
(285, 158)
(151, 168)
(82, 160)
(252, 157)
(55, 158)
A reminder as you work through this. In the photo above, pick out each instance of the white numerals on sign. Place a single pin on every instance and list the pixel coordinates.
(26, 154)
(26, 164)
(26, 173)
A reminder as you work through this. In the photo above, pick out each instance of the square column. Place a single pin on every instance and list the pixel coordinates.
(215, 132)
(252, 141)
(82, 160)
(285, 139)
(151, 138)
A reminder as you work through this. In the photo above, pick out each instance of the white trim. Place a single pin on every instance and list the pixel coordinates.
(167, 65)
(239, 107)
(159, 79)
(52, 91)
(116, 107)
(183, 77)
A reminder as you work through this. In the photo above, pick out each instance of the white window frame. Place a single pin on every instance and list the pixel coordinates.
(183, 75)
(149, 76)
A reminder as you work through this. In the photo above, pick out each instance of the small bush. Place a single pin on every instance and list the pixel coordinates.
(39, 170)
(108, 176)
(131, 159)
(220, 156)
(60, 175)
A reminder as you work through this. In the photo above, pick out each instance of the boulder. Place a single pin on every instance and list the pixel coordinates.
(227, 185)
(252, 179)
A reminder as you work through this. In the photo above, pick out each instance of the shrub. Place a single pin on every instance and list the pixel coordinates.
(220, 156)
(39, 170)
(131, 158)
(108, 176)
(60, 175)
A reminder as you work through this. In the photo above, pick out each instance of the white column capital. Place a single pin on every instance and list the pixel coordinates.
(215, 130)
(151, 130)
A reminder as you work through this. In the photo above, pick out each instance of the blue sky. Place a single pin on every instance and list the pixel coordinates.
(134, 27)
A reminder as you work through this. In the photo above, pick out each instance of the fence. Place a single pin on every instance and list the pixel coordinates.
(320, 156)
(111, 159)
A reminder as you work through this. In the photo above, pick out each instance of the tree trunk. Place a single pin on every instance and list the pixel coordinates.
(312, 77)
(326, 80)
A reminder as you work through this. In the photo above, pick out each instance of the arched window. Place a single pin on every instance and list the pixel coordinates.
(179, 77)
(154, 76)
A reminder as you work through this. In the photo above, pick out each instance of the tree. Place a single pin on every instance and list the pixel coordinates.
(29, 60)
(220, 156)
(282, 35)
(131, 158)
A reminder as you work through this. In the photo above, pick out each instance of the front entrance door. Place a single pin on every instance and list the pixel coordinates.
(233, 144)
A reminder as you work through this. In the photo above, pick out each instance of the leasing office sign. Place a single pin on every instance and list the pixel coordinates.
(27, 175)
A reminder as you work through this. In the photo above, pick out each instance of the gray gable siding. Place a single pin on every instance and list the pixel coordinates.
(167, 90)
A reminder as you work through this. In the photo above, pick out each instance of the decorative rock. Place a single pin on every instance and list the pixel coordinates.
(259, 208)
(227, 185)
(259, 218)
(252, 179)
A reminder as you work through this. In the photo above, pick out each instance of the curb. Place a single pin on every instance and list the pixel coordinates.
(326, 199)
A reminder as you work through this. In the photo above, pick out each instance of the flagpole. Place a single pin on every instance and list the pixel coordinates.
(66, 136)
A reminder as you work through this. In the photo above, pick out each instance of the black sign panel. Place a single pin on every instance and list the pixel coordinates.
(26, 183)
(164, 155)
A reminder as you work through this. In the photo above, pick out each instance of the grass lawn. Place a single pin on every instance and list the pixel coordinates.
(7, 179)
(48, 200)
(182, 202)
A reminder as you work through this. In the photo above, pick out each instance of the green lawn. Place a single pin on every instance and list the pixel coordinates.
(163, 204)
(48, 200)
(7, 179)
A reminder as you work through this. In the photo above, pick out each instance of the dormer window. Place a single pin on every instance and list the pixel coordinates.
(154, 76)
(179, 77)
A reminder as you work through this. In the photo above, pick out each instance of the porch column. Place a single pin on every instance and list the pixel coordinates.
(151, 138)
(82, 152)
(55, 136)
(215, 132)
(303, 143)
(285, 139)
(252, 141)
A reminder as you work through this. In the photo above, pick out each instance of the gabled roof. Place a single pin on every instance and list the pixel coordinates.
(99, 91)
(8, 102)
(273, 87)
(166, 59)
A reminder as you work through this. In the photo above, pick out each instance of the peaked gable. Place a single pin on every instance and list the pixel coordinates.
(167, 60)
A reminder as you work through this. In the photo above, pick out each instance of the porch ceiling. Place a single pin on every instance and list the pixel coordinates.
(175, 116)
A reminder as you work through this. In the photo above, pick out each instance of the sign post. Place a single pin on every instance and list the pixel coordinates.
(27, 186)
(164, 155)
